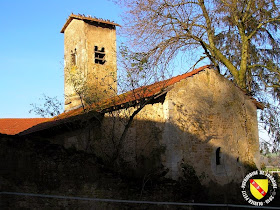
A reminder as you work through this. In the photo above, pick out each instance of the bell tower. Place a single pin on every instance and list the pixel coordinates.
(90, 63)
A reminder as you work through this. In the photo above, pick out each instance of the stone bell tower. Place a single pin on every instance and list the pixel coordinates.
(90, 63)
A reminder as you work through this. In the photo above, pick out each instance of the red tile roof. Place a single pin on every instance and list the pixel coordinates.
(12, 126)
(130, 96)
(88, 18)
(150, 90)
(138, 94)
(133, 95)
(15, 126)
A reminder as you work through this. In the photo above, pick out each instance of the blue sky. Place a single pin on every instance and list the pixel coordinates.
(31, 49)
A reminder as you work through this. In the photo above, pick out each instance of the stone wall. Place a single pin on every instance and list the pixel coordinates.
(141, 150)
(198, 116)
(207, 112)
(80, 40)
(74, 43)
(202, 119)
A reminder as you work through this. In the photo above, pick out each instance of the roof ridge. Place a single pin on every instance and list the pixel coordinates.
(89, 18)
(134, 94)
(186, 74)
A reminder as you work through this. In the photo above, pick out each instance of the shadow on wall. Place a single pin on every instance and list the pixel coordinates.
(154, 149)
(33, 165)
(151, 145)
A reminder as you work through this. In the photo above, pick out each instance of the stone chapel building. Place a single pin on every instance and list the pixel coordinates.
(198, 119)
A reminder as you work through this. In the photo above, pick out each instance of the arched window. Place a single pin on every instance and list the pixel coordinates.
(218, 156)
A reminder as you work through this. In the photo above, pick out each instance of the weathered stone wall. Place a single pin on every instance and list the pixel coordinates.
(198, 116)
(104, 75)
(74, 42)
(141, 150)
(207, 112)
(80, 38)
(195, 118)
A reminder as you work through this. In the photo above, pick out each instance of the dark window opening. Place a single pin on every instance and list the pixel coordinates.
(74, 57)
(237, 159)
(218, 156)
(99, 55)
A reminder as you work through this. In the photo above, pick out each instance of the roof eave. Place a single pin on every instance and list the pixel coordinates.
(258, 104)
(78, 17)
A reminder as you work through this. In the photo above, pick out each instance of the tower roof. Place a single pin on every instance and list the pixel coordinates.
(87, 18)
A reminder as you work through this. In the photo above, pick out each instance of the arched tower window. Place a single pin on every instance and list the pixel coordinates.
(218, 156)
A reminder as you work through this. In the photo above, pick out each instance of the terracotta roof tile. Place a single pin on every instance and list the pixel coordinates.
(130, 96)
(12, 126)
(89, 18)
(15, 126)
(133, 95)
(150, 90)
(140, 93)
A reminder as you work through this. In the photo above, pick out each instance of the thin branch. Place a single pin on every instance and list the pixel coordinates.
(261, 25)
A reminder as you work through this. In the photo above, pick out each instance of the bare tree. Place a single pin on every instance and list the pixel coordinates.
(51, 107)
(239, 37)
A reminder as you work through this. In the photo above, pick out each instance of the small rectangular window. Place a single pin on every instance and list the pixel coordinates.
(74, 58)
(218, 156)
(99, 55)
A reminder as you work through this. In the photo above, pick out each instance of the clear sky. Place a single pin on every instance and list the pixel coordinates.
(32, 49)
